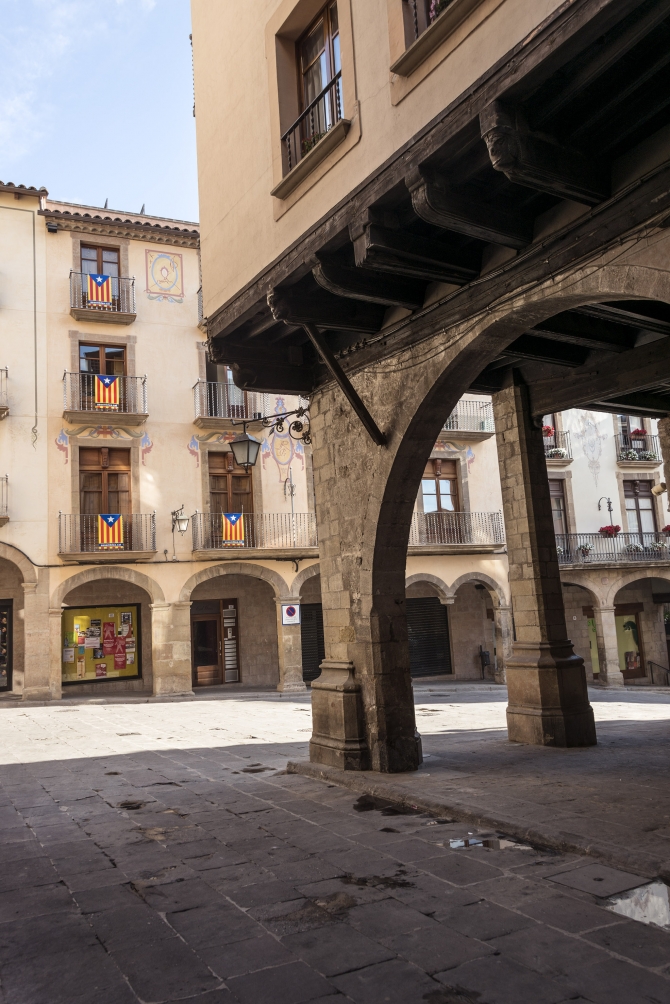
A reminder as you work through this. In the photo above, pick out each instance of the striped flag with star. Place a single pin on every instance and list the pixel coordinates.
(99, 290)
(106, 393)
(110, 531)
(233, 527)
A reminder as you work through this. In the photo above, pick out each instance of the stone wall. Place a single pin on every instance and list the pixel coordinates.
(311, 590)
(575, 598)
(257, 618)
(469, 628)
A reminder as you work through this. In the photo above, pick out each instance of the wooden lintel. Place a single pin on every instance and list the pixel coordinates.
(403, 253)
(433, 201)
(297, 305)
(371, 287)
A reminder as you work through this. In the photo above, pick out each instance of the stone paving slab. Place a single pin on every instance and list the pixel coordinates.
(230, 887)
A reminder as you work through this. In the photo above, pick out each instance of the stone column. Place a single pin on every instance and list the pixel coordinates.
(548, 699)
(504, 632)
(56, 651)
(39, 683)
(289, 647)
(608, 649)
(171, 648)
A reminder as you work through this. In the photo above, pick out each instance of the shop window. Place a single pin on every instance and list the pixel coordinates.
(640, 510)
(557, 495)
(439, 486)
(101, 643)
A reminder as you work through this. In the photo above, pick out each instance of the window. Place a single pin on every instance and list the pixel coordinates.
(229, 485)
(439, 486)
(104, 481)
(419, 15)
(628, 426)
(557, 495)
(100, 261)
(103, 359)
(549, 422)
(101, 643)
(640, 511)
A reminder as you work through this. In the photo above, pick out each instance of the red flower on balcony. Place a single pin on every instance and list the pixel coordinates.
(665, 529)
(611, 530)
(639, 432)
(547, 430)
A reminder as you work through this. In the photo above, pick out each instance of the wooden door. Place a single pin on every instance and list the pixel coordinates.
(206, 630)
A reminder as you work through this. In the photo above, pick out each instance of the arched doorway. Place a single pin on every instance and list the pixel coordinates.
(11, 627)
(428, 627)
(581, 620)
(642, 624)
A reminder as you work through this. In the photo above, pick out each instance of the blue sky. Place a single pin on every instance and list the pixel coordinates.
(97, 102)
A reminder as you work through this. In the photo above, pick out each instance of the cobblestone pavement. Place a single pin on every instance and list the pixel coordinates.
(158, 852)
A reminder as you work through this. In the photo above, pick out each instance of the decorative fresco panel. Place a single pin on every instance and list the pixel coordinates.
(165, 276)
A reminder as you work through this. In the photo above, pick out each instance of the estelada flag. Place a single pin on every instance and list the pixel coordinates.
(110, 531)
(99, 290)
(107, 393)
(233, 527)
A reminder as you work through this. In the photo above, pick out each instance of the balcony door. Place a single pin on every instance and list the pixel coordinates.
(224, 399)
(230, 490)
(104, 487)
(640, 510)
(631, 429)
(318, 62)
(102, 360)
(557, 494)
(100, 261)
(439, 491)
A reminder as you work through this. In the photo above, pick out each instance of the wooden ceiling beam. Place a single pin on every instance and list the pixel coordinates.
(403, 253)
(545, 350)
(298, 305)
(364, 284)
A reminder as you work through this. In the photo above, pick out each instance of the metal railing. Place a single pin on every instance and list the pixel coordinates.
(79, 394)
(270, 530)
(225, 400)
(318, 118)
(557, 446)
(123, 294)
(589, 548)
(78, 534)
(4, 399)
(4, 496)
(476, 528)
(471, 416)
(630, 447)
(201, 315)
(422, 13)
(660, 676)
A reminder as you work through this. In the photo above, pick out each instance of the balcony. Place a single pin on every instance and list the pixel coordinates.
(471, 420)
(453, 532)
(121, 309)
(637, 451)
(78, 539)
(4, 399)
(558, 449)
(4, 500)
(215, 404)
(317, 131)
(285, 534)
(82, 400)
(595, 548)
(427, 24)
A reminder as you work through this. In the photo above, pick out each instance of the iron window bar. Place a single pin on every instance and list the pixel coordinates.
(298, 141)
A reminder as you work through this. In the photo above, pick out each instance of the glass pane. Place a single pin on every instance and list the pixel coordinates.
(89, 261)
(447, 491)
(334, 23)
(429, 491)
(89, 358)
(631, 513)
(647, 521)
(314, 81)
(558, 513)
(206, 643)
(313, 45)
(89, 253)
(114, 361)
(337, 59)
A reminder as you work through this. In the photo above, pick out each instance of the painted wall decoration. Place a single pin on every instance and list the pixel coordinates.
(63, 443)
(146, 446)
(194, 449)
(592, 442)
(453, 451)
(101, 432)
(165, 276)
(281, 447)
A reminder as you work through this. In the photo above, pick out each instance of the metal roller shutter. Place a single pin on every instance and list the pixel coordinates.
(428, 629)
(313, 651)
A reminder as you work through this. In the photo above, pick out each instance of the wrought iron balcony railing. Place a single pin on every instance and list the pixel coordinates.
(123, 295)
(593, 548)
(4, 499)
(4, 398)
(79, 394)
(78, 534)
(475, 528)
(272, 530)
(638, 448)
(224, 400)
(318, 118)
(557, 446)
(471, 416)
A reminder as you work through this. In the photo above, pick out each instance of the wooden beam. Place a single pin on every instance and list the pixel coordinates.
(625, 374)
(270, 371)
(544, 350)
(576, 328)
(535, 162)
(644, 403)
(626, 317)
(300, 305)
(403, 253)
(433, 201)
(371, 287)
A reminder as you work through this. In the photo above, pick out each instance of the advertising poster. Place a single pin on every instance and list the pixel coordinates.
(100, 643)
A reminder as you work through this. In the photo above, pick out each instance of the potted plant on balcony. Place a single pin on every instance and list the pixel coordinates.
(666, 528)
(436, 8)
(557, 453)
(629, 455)
(658, 546)
(634, 548)
(611, 530)
(585, 549)
(646, 455)
(638, 433)
(548, 431)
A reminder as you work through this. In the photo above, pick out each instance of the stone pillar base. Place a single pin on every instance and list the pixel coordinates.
(291, 687)
(37, 694)
(338, 739)
(548, 699)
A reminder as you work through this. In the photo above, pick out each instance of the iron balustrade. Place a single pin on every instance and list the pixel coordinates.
(78, 534)
(318, 118)
(558, 446)
(660, 676)
(638, 448)
(123, 294)
(592, 548)
(4, 496)
(474, 528)
(471, 416)
(271, 530)
(225, 400)
(422, 13)
(201, 315)
(79, 395)
(4, 399)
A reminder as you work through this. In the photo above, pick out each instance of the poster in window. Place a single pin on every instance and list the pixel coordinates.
(105, 639)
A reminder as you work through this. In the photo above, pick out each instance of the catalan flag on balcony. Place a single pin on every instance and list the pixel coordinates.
(106, 393)
(233, 527)
(110, 531)
(99, 290)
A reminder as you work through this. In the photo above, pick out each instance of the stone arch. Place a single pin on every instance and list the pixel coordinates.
(495, 589)
(302, 577)
(441, 587)
(100, 572)
(628, 578)
(598, 596)
(278, 583)
(18, 558)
